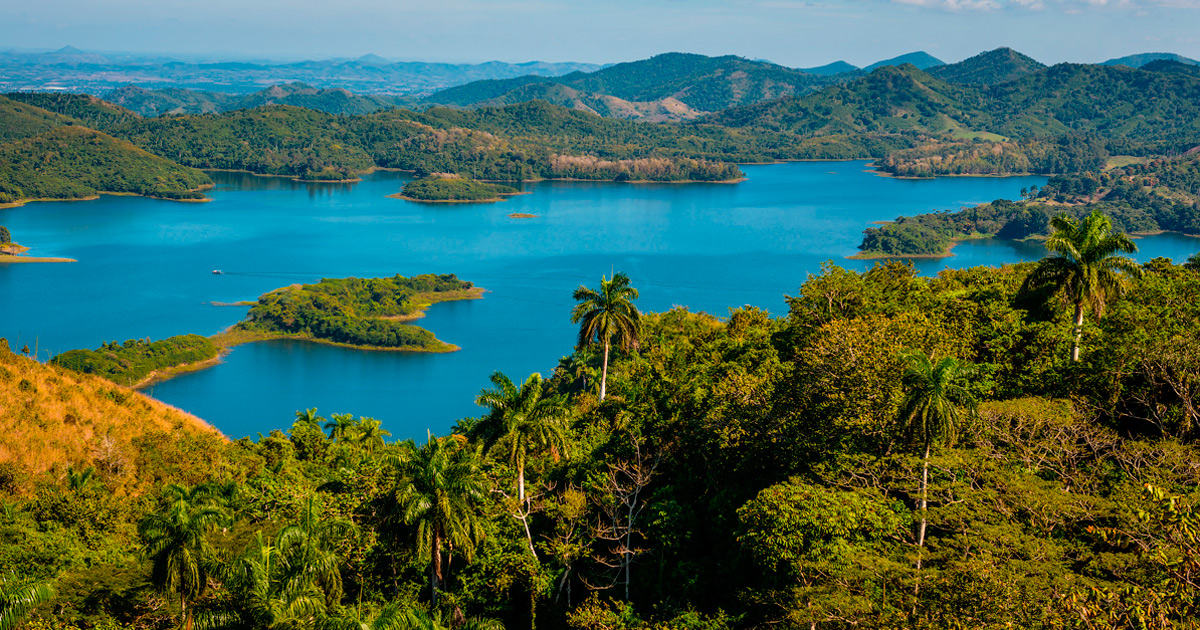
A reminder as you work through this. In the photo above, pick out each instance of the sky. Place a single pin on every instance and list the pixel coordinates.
(797, 33)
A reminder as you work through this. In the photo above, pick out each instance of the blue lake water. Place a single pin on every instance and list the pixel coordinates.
(145, 267)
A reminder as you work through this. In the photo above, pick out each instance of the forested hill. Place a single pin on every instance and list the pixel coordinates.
(52, 156)
(531, 140)
(988, 68)
(698, 82)
(1092, 110)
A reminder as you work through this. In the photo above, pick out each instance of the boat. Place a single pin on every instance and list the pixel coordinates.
(217, 272)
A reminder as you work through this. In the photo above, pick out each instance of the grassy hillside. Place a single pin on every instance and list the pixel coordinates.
(74, 162)
(21, 120)
(52, 418)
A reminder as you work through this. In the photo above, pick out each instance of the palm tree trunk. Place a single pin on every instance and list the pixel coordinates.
(435, 567)
(521, 482)
(604, 372)
(921, 527)
(1078, 332)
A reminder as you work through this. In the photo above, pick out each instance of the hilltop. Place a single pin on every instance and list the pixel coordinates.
(989, 68)
(671, 86)
(52, 418)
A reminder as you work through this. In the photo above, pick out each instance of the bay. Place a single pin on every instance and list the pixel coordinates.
(145, 268)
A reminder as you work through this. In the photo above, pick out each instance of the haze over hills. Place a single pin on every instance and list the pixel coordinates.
(179, 101)
(73, 70)
(920, 59)
(1140, 60)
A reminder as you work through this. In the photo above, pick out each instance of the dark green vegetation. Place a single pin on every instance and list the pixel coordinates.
(1158, 195)
(5, 236)
(895, 452)
(988, 68)
(440, 188)
(76, 162)
(46, 155)
(131, 362)
(364, 312)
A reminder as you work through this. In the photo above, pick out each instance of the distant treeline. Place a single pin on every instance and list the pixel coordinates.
(1158, 195)
(130, 362)
(356, 311)
(1066, 154)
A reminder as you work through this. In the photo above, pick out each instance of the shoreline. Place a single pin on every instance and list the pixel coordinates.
(230, 338)
(14, 258)
(21, 202)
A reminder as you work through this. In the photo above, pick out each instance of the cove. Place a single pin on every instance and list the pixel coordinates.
(145, 267)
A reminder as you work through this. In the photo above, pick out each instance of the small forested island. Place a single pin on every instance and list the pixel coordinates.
(1141, 197)
(367, 313)
(449, 188)
(138, 361)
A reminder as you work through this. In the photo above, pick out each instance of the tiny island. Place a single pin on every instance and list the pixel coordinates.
(449, 188)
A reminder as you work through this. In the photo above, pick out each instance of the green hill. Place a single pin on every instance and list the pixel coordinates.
(988, 68)
(73, 162)
(920, 59)
(21, 120)
(671, 86)
(1140, 60)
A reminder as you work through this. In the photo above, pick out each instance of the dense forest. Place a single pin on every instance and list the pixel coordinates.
(894, 452)
(444, 188)
(1156, 195)
(365, 312)
(130, 362)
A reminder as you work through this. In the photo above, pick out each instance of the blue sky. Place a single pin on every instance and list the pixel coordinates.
(796, 33)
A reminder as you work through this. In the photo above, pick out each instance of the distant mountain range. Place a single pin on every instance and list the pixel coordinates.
(73, 70)
(179, 101)
(1138, 61)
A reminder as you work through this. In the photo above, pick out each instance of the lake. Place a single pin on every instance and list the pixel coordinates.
(145, 270)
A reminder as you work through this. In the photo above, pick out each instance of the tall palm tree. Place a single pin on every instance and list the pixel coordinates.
(440, 486)
(932, 411)
(1086, 270)
(176, 540)
(18, 600)
(606, 314)
(309, 547)
(522, 421)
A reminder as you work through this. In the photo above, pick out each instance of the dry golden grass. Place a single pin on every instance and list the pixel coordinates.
(51, 418)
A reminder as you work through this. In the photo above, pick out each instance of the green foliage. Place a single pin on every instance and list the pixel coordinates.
(130, 362)
(454, 189)
(75, 162)
(5, 236)
(356, 311)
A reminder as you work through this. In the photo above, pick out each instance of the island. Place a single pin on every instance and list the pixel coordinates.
(364, 313)
(450, 188)
(139, 362)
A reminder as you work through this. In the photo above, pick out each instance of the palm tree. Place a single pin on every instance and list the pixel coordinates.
(368, 435)
(1087, 269)
(441, 484)
(18, 600)
(268, 593)
(931, 412)
(308, 547)
(80, 480)
(340, 425)
(522, 421)
(176, 540)
(605, 314)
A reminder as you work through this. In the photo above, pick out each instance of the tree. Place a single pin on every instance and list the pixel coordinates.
(606, 314)
(440, 486)
(340, 425)
(931, 413)
(522, 421)
(176, 541)
(268, 592)
(1087, 272)
(368, 435)
(18, 600)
